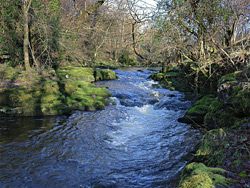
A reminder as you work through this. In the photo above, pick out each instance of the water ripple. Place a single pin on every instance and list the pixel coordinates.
(136, 143)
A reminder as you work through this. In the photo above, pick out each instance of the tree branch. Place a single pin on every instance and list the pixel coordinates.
(134, 44)
(90, 10)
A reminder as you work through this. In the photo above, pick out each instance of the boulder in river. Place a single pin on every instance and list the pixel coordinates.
(197, 112)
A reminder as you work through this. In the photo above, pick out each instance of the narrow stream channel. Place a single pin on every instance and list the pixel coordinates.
(137, 143)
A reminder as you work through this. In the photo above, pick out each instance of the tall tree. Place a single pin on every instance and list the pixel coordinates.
(52, 8)
(26, 7)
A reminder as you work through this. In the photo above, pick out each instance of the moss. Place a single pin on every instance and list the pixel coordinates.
(50, 86)
(219, 116)
(126, 59)
(238, 123)
(205, 151)
(243, 174)
(92, 91)
(52, 105)
(236, 89)
(73, 104)
(51, 99)
(215, 105)
(35, 94)
(199, 109)
(7, 72)
(99, 105)
(206, 100)
(199, 175)
(25, 111)
(172, 74)
(98, 75)
(105, 74)
(155, 86)
(230, 77)
(76, 73)
(80, 101)
(161, 76)
(198, 181)
(241, 102)
(72, 85)
(108, 74)
(18, 98)
(158, 76)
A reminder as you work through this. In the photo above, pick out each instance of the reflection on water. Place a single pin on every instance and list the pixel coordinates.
(136, 143)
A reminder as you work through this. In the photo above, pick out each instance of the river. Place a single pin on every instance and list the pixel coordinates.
(135, 143)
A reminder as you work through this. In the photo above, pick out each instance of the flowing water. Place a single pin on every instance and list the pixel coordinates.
(136, 143)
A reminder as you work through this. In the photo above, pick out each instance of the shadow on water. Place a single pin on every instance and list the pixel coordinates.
(18, 129)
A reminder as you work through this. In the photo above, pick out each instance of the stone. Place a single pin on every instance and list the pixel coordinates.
(197, 112)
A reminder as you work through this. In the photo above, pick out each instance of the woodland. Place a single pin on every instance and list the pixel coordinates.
(52, 51)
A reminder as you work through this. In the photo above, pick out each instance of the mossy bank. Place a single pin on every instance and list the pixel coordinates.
(226, 120)
(221, 159)
(52, 92)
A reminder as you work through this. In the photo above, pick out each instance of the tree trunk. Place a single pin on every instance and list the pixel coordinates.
(201, 42)
(26, 6)
(26, 38)
(202, 50)
(134, 42)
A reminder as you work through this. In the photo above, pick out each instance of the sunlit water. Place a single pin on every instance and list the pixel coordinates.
(135, 143)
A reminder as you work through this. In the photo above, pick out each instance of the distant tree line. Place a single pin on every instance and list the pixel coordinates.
(44, 33)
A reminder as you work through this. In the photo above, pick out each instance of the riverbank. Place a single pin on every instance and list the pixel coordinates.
(222, 113)
(52, 92)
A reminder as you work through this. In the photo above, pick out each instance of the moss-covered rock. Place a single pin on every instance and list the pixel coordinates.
(205, 151)
(239, 122)
(234, 92)
(230, 77)
(198, 175)
(164, 79)
(197, 112)
(55, 93)
(173, 80)
(76, 73)
(227, 148)
(51, 104)
(88, 98)
(219, 115)
(198, 181)
(105, 74)
(162, 76)
(70, 86)
(155, 86)
(92, 91)
(241, 101)
(86, 103)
